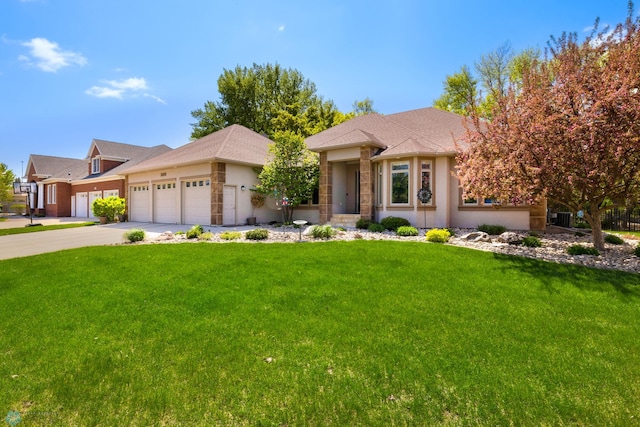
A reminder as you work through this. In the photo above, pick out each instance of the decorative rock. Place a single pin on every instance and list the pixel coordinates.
(476, 236)
(509, 237)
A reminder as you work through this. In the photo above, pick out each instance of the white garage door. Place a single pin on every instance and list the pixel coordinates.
(139, 203)
(229, 205)
(93, 196)
(82, 205)
(196, 201)
(164, 203)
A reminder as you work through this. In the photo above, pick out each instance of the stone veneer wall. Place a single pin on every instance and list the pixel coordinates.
(366, 183)
(218, 178)
(326, 189)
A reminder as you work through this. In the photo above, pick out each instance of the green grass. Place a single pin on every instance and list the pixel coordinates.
(317, 334)
(35, 229)
(625, 233)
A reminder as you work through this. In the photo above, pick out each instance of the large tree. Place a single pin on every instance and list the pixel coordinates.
(7, 178)
(460, 92)
(291, 173)
(267, 99)
(570, 132)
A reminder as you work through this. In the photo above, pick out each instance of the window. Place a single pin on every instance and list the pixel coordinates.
(51, 194)
(400, 183)
(470, 201)
(425, 178)
(95, 165)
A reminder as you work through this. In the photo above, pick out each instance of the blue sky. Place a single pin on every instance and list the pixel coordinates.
(132, 70)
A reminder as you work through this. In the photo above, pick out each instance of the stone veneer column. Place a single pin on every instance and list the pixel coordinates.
(218, 178)
(326, 189)
(366, 184)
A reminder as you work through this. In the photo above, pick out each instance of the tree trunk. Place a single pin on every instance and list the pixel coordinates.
(596, 229)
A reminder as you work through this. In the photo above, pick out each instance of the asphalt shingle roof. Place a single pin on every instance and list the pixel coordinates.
(427, 131)
(235, 144)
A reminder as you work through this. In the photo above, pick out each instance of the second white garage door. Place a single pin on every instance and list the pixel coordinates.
(196, 201)
(164, 203)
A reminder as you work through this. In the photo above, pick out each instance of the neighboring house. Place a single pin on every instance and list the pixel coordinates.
(373, 166)
(207, 181)
(67, 187)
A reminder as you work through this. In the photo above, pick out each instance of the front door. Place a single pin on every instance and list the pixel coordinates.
(229, 205)
(353, 189)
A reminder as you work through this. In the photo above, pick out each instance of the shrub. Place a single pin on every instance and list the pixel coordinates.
(206, 236)
(257, 234)
(109, 207)
(374, 227)
(363, 224)
(19, 209)
(322, 231)
(194, 232)
(392, 223)
(613, 239)
(438, 235)
(181, 232)
(637, 250)
(579, 234)
(135, 235)
(407, 230)
(493, 230)
(230, 235)
(581, 225)
(582, 250)
(451, 231)
(531, 242)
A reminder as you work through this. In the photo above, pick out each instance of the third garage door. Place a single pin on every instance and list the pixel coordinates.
(196, 201)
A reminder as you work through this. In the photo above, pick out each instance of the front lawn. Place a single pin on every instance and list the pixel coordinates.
(35, 229)
(317, 334)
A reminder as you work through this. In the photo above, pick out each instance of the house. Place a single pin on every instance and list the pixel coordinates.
(207, 181)
(373, 166)
(67, 187)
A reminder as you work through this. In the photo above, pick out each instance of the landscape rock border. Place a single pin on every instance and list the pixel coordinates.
(553, 249)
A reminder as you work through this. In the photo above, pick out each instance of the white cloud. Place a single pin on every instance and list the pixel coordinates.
(133, 83)
(48, 56)
(120, 89)
(281, 28)
(104, 92)
(160, 100)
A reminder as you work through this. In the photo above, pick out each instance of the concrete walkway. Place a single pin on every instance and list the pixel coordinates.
(21, 245)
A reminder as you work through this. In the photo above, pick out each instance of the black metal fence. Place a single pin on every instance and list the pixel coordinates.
(622, 219)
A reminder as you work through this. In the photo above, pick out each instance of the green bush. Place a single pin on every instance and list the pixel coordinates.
(392, 223)
(19, 209)
(531, 242)
(406, 231)
(637, 250)
(492, 230)
(135, 235)
(257, 234)
(206, 236)
(581, 225)
(322, 231)
(374, 227)
(363, 224)
(613, 239)
(438, 235)
(230, 235)
(109, 207)
(451, 231)
(582, 250)
(194, 232)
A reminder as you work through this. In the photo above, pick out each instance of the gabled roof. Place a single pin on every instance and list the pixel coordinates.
(57, 167)
(119, 151)
(233, 144)
(426, 131)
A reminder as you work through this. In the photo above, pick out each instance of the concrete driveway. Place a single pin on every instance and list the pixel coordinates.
(20, 245)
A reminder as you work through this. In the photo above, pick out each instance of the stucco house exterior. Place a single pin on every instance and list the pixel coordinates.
(373, 166)
(67, 187)
(207, 181)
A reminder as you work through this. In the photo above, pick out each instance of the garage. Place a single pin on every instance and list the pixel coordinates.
(139, 203)
(196, 201)
(82, 205)
(164, 203)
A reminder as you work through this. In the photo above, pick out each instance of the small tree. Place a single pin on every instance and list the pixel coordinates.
(7, 178)
(570, 132)
(291, 174)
